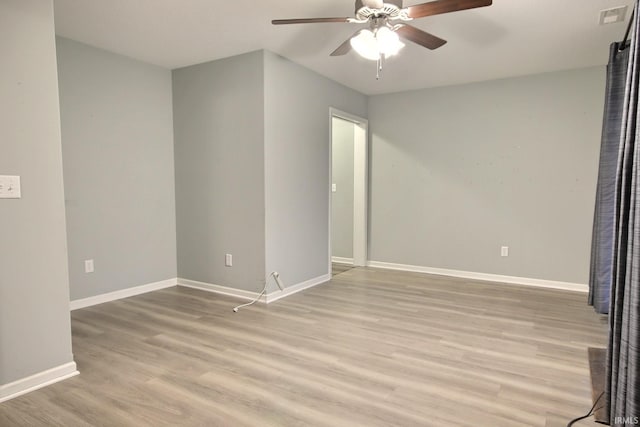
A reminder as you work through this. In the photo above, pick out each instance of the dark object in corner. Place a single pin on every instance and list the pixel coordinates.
(597, 367)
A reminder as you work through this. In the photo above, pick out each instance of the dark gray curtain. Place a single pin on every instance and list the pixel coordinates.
(603, 219)
(623, 358)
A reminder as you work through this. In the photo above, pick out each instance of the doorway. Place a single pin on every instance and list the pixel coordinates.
(348, 190)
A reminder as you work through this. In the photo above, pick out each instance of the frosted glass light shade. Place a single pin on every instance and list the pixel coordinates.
(388, 42)
(372, 45)
(366, 45)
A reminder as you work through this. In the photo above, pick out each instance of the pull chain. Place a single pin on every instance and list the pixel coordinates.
(379, 66)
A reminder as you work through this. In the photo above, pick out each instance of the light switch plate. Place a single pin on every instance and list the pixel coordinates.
(88, 266)
(10, 187)
(334, 188)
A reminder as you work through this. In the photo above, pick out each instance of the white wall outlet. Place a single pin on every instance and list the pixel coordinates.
(88, 266)
(9, 187)
(228, 260)
(504, 251)
(334, 188)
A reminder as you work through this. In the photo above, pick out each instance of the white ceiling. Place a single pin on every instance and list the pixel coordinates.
(509, 38)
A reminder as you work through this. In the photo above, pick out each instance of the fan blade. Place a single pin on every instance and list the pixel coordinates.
(308, 20)
(345, 47)
(420, 37)
(444, 6)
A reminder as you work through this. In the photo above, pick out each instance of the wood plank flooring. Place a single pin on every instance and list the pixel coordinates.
(370, 348)
(340, 268)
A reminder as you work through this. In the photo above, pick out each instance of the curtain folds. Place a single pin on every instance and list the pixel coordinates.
(603, 219)
(623, 357)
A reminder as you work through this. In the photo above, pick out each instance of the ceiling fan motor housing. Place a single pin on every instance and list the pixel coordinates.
(368, 3)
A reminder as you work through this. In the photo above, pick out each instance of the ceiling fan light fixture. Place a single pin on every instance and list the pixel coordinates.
(373, 45)
(388, 41)
(366, 44)
(382, 39)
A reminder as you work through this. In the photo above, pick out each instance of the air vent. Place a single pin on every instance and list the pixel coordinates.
(613, 15)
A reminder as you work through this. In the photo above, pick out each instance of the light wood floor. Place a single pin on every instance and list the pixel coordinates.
(340, 268)
(370, 348)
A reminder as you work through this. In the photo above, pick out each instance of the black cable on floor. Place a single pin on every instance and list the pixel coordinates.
(575, 420)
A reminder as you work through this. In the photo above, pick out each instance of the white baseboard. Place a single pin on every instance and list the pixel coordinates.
(341, 260)
(36, 381)
(123, 293)
(290, 290)
(218, 289)
(541, 283)
(249, 295)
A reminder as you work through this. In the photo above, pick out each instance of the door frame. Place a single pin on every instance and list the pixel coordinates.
(360, 184)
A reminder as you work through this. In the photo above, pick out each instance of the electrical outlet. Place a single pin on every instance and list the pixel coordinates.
(228, 260)
(504, 251)
(88, 266)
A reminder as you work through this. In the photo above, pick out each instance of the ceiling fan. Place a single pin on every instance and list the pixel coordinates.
(387, 25)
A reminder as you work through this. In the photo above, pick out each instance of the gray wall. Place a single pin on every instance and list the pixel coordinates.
(117, 142)
(457, 172)
(219, 160)
(35, 333)
(342, 177)
(297, 180)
